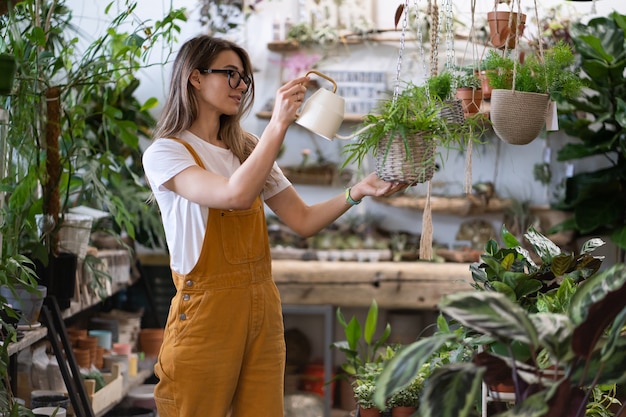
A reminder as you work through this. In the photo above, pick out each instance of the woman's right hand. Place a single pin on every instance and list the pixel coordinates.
(288, 100)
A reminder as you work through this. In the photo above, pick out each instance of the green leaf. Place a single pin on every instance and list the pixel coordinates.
(555, 333)
(595, 305)
(491, 313)
(371, 322)
(544, 247)
(402, 369)
(452, 391)
(591, 245)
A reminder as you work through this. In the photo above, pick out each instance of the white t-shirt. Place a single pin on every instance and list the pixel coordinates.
(184, 221)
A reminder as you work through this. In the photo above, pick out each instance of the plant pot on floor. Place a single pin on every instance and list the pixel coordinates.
(29, 303)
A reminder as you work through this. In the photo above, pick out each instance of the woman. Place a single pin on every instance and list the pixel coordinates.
(224, 348)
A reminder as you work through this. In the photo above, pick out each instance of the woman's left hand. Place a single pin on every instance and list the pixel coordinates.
(374, 186)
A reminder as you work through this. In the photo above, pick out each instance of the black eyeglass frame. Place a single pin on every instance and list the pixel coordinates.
(231, 72)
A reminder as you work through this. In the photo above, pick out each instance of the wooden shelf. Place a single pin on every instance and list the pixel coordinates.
(30, 337)
(411, 285)
(458, 206)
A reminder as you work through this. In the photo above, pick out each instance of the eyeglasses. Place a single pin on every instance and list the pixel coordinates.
(234, 77)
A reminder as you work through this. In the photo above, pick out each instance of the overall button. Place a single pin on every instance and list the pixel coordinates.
(183, 316)
(189, 283)
(186, 297)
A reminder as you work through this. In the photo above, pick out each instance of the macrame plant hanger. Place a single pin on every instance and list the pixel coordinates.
(425, 247)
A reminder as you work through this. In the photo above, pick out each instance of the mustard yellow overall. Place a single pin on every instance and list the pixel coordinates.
(224, 348)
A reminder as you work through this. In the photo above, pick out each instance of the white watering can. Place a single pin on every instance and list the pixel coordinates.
(323, 112)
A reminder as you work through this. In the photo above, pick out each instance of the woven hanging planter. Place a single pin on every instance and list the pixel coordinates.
(410, 163)
(518, 117)
(452, 112)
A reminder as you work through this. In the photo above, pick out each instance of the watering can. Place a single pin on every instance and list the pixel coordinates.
(323, 112)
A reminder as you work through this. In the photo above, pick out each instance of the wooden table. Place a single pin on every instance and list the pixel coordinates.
(398, 285)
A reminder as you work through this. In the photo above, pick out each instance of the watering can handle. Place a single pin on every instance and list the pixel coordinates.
(323, 76)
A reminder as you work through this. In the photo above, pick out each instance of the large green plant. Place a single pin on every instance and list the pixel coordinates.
(597, 119)
(551, 74)
(74, 122)
(524, 275)
(584, 345)
(413, 111)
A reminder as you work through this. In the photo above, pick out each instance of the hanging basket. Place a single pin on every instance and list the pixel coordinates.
(452, 112)
(407, 163)
(518, 117)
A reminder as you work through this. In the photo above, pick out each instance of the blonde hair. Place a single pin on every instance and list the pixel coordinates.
(181, 106)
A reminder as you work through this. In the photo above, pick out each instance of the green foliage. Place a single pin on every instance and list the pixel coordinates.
(525, 276)
(440, 86)
(360, 346)
(101, 121)
(597, 118)
(413, 112)
(553, 75)
(583, 342)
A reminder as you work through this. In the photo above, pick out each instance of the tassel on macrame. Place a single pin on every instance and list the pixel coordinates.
(426, 239)
(468, 169)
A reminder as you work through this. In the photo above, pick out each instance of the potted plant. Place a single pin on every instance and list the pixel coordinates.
(469, 91)
(522, 91)
(524, 274)
(83, 126)
(573, 353)
(364, 386)
(595, 121)
(403, 133)
(364, 352)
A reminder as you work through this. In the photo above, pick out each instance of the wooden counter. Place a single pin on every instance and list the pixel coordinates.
(398, 285)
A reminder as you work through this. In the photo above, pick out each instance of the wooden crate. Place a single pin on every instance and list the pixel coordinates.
(110, 394)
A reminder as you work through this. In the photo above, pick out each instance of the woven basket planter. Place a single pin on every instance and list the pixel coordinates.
(452, 111)
(410, 163)
(518, 117)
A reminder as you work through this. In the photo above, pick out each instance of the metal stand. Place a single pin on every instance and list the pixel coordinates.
(57, 335)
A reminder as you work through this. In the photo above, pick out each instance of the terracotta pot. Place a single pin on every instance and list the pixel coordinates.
(471, 99)
(485, 86)
(369, 412)
(502, 35)
(403, 411)
(150, 341)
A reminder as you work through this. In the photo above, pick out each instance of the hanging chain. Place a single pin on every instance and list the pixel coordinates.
(434, 38)
(450, 58)
(420, 37)
(405, 18)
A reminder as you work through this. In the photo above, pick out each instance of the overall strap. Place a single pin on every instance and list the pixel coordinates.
(191, 150)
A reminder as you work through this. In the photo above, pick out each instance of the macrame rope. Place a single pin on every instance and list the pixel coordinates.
(426, 239)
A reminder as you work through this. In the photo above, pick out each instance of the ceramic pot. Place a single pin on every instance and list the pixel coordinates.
(29, 303)
(501, 33)
(368, 412)
(403, 411)
(50, 411)
(471, 99)
(150, 341)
